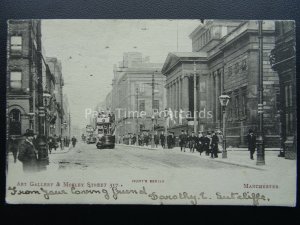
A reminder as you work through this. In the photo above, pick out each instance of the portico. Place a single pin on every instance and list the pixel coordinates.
(179, 71)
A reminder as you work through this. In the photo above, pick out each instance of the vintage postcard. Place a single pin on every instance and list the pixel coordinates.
(192, 112)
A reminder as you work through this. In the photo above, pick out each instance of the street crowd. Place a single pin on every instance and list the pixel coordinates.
(32, 149)
(209, 143)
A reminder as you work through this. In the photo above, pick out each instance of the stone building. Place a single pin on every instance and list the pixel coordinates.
(23, 66)
(226, 61)
(283, 61)
(56, 126)
(132, 94)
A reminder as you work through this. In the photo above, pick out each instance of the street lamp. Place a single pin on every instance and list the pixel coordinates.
(260, 137)
(224, 100)
(166, 126)
(152, 139)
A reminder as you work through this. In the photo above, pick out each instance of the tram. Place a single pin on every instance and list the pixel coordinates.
(105, 130)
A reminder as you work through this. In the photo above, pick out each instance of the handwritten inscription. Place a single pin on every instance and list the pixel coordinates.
(117, 191)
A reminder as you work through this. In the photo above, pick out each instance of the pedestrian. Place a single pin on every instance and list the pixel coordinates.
(156, 139)
(55, 142)
(162, 139)
(169, 140)
(206, 142)
(43, 159)
(74, 140)
(187, 136)
(182, 141)
(251, 143)
(61, 140)
(173, 140)
(28, 154)
(214, 145)
(209, 143)
(192, 142)
(133, 139)
(146, 139)
(13, 147)
(200, 142)
(220, 145)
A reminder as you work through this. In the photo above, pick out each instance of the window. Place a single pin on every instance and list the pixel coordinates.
(229, 107)
(244, 65)
(15, 122)
(236, 105)
(142, 88)
(244, 103)
(156, 104)
(15, 80)
(288, 109)
(236, 68)
(16, 43)
(229, 71)
(141, 105)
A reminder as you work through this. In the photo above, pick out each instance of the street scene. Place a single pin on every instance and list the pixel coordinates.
(209, 103)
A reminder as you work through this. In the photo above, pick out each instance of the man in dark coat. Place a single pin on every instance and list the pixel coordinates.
(199, 142)
(173, 140)
(169, 140)
(182, 141)
(251, 143)
(206, 142)
(28, 154)
(192, 142)
(74, 140)
(156, 139)
(133, 139)
(214, 145)
(162, 139)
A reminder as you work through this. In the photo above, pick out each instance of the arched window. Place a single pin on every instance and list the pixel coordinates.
(15, 122)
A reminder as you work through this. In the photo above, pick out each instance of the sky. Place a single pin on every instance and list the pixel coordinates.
(92, 47)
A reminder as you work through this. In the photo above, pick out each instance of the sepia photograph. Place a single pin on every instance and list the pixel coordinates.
(151, 111)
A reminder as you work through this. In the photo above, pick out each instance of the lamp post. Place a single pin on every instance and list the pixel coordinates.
(260, 136)
(224, 100)
(195, 98)
(152, 135)
(137, 116)
(166, 127)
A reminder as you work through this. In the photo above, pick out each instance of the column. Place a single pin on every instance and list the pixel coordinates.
(171, 95)
(168, 95)
(210, 95)
(185, 93)
(180, 94)
(218, 90)
(174, 95)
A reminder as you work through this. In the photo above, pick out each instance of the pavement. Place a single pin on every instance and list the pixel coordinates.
(235, 156)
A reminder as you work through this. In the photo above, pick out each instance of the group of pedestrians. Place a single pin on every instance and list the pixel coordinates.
(55, 142)
(207, 142)
(145, 139)
(32, 149)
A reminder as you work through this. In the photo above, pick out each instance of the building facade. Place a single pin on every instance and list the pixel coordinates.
(133, 98)
(283, 61)
(58, 116)
(23, 68)
(225, 54)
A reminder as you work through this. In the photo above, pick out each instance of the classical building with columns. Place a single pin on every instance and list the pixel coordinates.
(225, 61)
(132, 97)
